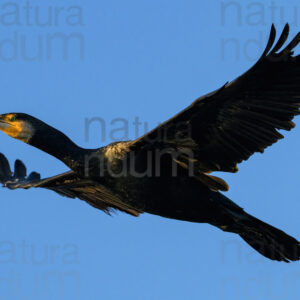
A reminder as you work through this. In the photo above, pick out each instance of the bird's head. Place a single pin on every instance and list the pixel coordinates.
(19, 126)
(36, 133)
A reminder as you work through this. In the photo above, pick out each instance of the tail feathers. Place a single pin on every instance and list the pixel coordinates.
(269, 241)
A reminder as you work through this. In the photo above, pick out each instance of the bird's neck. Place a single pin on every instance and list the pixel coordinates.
(57, 144)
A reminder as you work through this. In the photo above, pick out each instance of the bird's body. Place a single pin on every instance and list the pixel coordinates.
(167, 171)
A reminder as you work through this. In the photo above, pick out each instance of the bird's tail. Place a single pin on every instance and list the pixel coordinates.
(266, 239)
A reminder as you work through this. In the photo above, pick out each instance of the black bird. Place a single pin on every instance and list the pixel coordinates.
(166, 171)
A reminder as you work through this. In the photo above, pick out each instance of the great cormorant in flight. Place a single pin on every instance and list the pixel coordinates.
(167, 171)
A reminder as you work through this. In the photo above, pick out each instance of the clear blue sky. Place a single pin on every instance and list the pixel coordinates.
(128, 59)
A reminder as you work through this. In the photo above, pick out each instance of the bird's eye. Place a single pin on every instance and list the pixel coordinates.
(13, 118)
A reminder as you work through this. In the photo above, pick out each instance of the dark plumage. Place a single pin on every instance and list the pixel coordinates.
(166, 171)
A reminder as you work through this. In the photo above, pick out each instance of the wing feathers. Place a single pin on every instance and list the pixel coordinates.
(243, 117)
(20, 170)
(67, 184)
(271, 40)
(282, 39)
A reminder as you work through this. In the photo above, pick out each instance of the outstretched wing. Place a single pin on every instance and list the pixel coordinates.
(227, 126)
(66, 184)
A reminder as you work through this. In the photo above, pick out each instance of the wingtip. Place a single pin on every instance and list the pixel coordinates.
(282, 39)
(20, 170)
(273, 27)
(5, 171)
(34, 176)
(271, 40)
(19, 163)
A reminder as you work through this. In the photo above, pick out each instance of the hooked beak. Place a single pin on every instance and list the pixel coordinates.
(3, 123)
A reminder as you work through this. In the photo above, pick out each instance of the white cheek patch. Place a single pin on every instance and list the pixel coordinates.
(26, 133)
